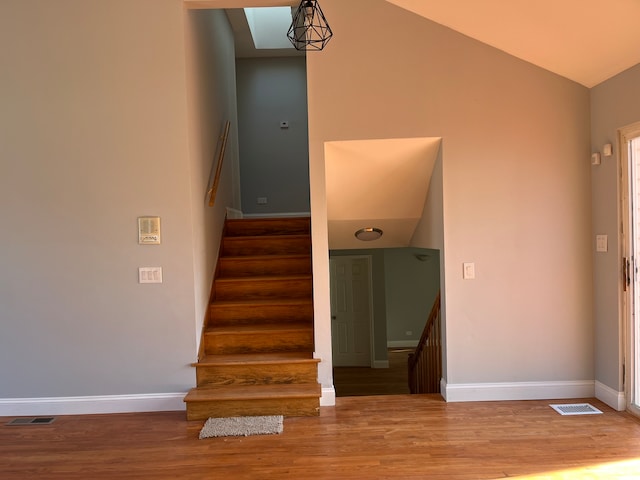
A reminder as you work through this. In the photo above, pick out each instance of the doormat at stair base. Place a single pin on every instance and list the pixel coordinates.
(242, 426)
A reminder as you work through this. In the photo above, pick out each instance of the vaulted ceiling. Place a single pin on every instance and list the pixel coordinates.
(587, 41)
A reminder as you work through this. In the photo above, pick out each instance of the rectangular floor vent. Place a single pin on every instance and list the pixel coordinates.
(576, 409)
(32, 421)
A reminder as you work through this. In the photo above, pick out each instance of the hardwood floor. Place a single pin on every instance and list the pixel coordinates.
(381, 437)
(350, 381)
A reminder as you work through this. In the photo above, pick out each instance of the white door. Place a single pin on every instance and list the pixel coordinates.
(351, 311)
(630, 156)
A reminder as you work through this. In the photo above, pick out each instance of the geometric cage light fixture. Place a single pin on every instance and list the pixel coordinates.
(309, 29)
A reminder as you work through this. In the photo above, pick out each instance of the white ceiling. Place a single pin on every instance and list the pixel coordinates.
(587, 41)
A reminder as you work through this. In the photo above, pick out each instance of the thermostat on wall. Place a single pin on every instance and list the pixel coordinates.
(149, 230)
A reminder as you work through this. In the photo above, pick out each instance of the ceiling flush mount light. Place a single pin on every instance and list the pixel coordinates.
(368, 234)
(309, 29)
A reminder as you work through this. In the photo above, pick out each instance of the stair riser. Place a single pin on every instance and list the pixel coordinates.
(290, 226)
(246, 314)
(223, 344)
(238, 246)
(261, 289)
(291, 407)
(246, 267)
(256, 374)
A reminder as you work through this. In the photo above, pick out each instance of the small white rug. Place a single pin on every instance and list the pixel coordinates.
(242, 426)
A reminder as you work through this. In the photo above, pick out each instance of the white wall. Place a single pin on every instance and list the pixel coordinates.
(516, 188)
(94, 133)
(614, 104)
(274, 162)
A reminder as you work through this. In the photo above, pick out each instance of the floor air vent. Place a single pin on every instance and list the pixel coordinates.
(576, 409)
(32, 421)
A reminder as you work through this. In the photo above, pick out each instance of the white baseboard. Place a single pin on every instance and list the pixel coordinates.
(380, 364)
(478, 392)
(611, 397)
(277, 215)
(234, 213)
(402, 343)
(150, 402)
(328, 398)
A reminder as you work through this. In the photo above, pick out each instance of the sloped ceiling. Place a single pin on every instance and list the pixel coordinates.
(587, 41)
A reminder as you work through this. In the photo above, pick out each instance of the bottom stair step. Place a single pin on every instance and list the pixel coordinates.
(255, 369)
(250, 400)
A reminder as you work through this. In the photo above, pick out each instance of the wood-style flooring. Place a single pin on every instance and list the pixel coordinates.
(350, 381)
(381, 437)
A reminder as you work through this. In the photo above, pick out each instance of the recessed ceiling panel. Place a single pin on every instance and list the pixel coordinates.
(380, 183)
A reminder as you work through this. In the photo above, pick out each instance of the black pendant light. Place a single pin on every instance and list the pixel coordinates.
(309, 29)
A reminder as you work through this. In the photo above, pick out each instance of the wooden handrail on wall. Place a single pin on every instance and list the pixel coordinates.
(425, 364)
(213, 182)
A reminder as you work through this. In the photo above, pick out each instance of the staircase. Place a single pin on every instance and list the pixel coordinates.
(258, 341)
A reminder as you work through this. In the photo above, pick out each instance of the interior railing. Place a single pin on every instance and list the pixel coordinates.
(425, 364)
(214, 176)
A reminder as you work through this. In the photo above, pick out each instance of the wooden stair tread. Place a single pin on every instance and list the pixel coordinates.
(265, 278)
(264, 238)
(275, 256)
(257, 351)
(257, 359)
(253, 392)
(264, 329)
(262, 302)
(268, 226)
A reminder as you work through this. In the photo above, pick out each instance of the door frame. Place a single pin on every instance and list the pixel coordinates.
(369, 259)
(629, 361)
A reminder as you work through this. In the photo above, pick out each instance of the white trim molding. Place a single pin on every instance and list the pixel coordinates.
(149, 402)
(478, 392)
(328, 398)
(611, 397)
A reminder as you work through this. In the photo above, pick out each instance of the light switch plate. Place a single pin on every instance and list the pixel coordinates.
(468, 271)
(150, 275)
(602, 243)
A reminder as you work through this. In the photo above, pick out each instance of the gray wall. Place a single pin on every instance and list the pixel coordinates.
(614, 104)
(96, 129)
(412, 281)
(515, 184)
(211, 96)
(274, 162)
(404, 289)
